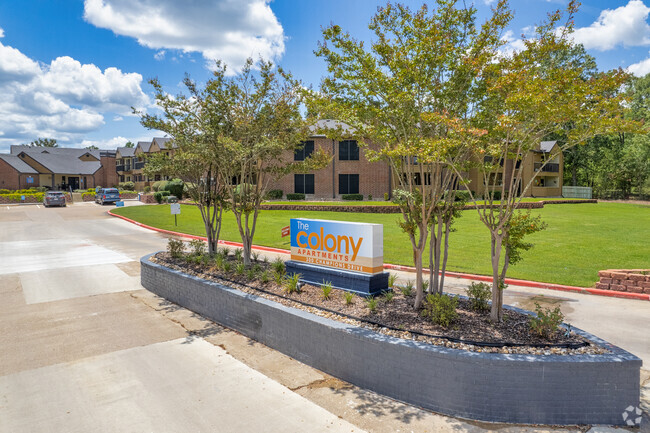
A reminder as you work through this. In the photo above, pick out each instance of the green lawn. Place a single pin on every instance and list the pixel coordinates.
(382, 203)
(580, 240)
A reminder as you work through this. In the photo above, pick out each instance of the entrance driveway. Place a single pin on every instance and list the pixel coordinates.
(85, 348)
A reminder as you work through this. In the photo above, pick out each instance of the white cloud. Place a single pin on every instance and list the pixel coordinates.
(228, 30)
(118, 118)
(640, 69)
(626, 25)
(159, 55)
(512, 43)
(2, 33)
(109, 143)
(62, 100)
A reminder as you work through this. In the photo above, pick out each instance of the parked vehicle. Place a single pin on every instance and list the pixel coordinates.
(54, 198)
(107, 195)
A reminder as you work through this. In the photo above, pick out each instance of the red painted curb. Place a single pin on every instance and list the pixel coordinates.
(513, 281)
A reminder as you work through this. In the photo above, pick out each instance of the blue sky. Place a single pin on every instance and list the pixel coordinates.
(71, 70)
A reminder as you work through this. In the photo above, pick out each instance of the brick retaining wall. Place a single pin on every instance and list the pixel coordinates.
(555, 389)
(625, 280)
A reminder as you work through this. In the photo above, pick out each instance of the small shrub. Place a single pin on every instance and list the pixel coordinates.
(264, 277)
(441, 309)
(496, 195)
(327, 290)
(175, 247)
(240, 269)
(147, 188)
(250, 274)
(369, 197)
(547, 321)
(292, 284)
(175, 188)
(407, 289)
(160, 196)
(425, 285)
(159, 185)
(462, 196)
(225, 251)
(388, 296)
(479, 294)
(219, 261)
(126, 186)
(392, 279)
(255, 256)
(274, 194)
(278, 265)
(349, 298)
(386, 196)
(352, 197)
(198, 247)
(257, 268)
(227, 267)
(239, 254)
(295, 196)
(371, 303)
(278, 277)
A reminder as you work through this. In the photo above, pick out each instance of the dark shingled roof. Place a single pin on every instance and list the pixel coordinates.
(68, 151)
(546, 146)
(126, 151)
(64, 164)
(163, 142)
(18, 164)
(144, 145)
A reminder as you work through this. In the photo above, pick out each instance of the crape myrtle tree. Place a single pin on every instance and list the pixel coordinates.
(411, 93)
(263, 127)
(528, 96)
(195, 124)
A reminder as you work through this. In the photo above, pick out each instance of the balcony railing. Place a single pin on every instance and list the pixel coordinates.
(139, 165)
(549, 168)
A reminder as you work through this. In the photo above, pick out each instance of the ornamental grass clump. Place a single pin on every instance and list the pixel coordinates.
(175, 248)
(479, 294)
(372, 303)
(348, 297)
(392, 279)
(388, 296)
(278, 266)
(407, 289)
(327, 290)
(547, 321)
(440, 308)
(292, 284)
(240, 268)
(239, 254)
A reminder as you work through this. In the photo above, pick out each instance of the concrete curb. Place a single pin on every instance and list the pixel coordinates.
(511, 281)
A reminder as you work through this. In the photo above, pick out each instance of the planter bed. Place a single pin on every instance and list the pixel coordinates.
(500, 387)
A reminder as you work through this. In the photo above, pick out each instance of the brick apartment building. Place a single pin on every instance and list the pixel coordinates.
(57, 168)
(350, 172)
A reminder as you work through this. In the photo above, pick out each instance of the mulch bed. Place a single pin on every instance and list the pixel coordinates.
(398, 313)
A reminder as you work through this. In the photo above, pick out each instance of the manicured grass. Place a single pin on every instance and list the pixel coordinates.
(580, 240)
(333, 203)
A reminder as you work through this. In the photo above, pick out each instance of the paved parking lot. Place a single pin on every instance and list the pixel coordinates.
(85, 348)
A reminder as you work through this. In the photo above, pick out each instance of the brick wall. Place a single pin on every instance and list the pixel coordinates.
(625, 280)
(109, 175)
(373, 176)
(581, 389)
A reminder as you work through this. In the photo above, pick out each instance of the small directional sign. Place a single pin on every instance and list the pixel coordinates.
(285, 231)
(176, 208)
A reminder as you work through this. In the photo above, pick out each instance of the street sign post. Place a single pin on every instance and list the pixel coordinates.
(176, 210)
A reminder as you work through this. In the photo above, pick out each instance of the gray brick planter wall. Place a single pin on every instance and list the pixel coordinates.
(583, 389)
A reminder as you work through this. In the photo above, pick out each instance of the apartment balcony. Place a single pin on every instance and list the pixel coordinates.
(139, 165)
(548, 168)
(119, 168)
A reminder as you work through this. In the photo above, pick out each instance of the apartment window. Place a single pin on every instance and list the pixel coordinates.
(348, 184)
(306, 149)
(348, 150)
(304, 183)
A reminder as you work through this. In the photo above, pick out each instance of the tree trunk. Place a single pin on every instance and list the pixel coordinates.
(417, 261)
(441, 285)
(495, 311)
